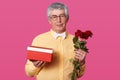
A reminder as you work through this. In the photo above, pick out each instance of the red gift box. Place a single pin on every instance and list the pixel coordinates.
(39, 53)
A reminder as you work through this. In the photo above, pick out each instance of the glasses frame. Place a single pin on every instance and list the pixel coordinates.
(55, 17)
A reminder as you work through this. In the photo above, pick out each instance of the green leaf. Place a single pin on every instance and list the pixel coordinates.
(75, 39)
(71, 60)
(75, 46)
(82, 42)
(73, 76)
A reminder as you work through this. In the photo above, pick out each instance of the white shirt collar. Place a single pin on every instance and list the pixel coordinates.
(63, 35)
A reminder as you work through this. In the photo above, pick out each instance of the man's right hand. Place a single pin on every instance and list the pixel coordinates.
(38, 63)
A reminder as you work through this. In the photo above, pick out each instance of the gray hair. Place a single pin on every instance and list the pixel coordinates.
(57, 5)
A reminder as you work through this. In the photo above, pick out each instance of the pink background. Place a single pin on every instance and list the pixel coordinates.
(22, 20)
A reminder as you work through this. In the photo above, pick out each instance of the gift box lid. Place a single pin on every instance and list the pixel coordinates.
(40, 49)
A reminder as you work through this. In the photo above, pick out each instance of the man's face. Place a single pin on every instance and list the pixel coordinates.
(58, 20)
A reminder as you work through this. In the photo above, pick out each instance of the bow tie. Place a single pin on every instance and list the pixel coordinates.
(63, 35)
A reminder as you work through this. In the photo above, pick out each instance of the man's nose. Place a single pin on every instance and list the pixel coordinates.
(59, 19)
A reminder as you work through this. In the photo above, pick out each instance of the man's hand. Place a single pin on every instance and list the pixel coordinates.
(38, 63)
(80, 55)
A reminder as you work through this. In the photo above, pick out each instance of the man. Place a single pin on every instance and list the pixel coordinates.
(60, 68)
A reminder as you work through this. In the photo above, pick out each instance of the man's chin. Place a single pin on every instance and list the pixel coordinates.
(60, 30)
(59, 26)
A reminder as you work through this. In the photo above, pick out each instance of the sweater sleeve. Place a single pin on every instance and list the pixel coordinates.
(81, 70)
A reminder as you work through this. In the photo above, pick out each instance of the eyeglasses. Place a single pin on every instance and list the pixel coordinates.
(55, 17)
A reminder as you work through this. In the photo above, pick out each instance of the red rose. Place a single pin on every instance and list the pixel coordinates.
(78, 33)
(83, 35)
(86, 34)
(89, 33)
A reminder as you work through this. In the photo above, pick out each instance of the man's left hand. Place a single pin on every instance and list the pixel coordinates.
(80, 54)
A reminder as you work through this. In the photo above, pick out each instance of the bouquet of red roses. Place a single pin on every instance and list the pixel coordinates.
(80, 39)
(79, 43)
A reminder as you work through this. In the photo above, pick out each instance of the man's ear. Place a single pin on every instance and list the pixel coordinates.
(49, 21)
(67, 19)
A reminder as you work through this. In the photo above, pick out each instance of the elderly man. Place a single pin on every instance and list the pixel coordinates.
(61, 42)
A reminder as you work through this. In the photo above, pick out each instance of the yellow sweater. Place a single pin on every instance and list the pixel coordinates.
(60, 68)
